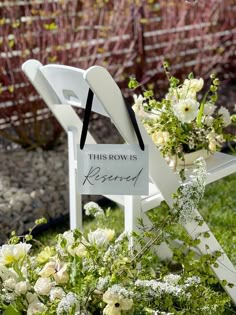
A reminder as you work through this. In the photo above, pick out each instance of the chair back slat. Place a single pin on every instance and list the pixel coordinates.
(109, 94)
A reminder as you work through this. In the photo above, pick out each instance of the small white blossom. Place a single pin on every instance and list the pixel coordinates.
(92, 208)
(67, 302)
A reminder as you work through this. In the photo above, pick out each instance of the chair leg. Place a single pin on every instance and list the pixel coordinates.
(74, 196)
(224, 269)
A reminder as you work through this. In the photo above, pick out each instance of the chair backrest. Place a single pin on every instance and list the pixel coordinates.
(109, 95)
(63, 86)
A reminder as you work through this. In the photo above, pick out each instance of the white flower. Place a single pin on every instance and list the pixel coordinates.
(21, 287)
(35, 308)
(43, 286)
(208, 120)
(69, 237)
(56, 293)
(209, 109)
(225, 116)
(138, 103)
(79, 250)
(116, 302)
(61, 276)
(67, 302)
(48, 269)
(13, 252)
(160, 137)
(101, 237)
(9, 284)
(193, 85)
(212, 146)
(57, 270)
(31, 297)
(92, 208)
(186, 110)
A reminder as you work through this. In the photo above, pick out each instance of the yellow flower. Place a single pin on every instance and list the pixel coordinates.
(13, 252)
(45, 254)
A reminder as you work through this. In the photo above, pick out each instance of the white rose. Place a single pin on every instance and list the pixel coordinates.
(101, 237)
(9, 284)
(208, 120)
(35, 308)
(79, 250)
(21, 287)
(48, 269)
(209, 109)
(69, 237)
(225, 116)
(43, 286)
(61, 276)
(56, 293)
(193, 85)
(31, 297)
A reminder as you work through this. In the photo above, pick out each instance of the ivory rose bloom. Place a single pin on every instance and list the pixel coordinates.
(35, 307)
(21, 287)
(43, 286)
(101, 237)
(56, 293)
(160, 137)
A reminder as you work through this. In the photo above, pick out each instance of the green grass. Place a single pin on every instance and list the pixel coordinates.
(218, 209)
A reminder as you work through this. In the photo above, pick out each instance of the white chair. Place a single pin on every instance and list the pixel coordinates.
(63, 86)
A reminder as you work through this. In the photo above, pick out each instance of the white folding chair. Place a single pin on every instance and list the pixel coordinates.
(63, 86)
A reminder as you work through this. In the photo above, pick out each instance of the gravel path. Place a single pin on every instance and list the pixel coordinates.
(35, 184)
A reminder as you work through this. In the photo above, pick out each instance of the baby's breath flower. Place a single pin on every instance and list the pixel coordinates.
(93, 209)
(67, 303)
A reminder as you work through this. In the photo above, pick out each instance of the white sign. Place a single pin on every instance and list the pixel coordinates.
(113, 169)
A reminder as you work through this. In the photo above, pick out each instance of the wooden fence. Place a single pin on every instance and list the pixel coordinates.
(127, 37)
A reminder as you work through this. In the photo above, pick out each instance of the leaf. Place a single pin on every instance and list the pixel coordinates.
(10, 310)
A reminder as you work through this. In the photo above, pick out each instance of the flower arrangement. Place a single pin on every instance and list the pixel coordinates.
(99, 273)
(185, 120)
